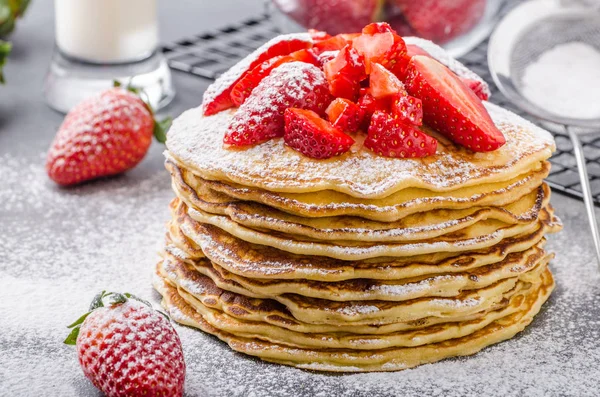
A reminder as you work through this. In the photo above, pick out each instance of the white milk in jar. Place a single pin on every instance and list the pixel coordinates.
(106, 31)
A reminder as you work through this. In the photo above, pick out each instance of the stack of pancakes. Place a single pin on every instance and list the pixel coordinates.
(357, 263)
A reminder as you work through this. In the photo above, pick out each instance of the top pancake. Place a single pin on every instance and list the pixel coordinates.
(196, 142)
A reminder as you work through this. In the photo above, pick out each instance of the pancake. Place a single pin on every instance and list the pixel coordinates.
(443, 285)
(418, 226)
(349, 360)
(196, 141)
(200, 279)
(482, 235)
(262, 262)
(217, 196)
(341, 340)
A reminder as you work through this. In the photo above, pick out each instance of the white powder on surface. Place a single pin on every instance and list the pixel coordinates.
(60, 246)
(565, 80)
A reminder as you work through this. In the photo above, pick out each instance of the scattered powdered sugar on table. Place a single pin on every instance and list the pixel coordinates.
(58, 247)
(565, 80)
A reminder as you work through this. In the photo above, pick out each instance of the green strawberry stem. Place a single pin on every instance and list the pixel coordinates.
(103, 299)
(160, 126)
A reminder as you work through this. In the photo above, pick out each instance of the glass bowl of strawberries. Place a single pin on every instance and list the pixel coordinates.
(457, 25)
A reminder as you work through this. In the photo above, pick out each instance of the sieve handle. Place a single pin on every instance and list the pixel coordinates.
(586, 190)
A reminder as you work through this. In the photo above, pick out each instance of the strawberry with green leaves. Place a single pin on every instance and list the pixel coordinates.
(128, 349)
(104, 135)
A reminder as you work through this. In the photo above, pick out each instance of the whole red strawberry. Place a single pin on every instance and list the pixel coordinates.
(104, 135)
(126, 348)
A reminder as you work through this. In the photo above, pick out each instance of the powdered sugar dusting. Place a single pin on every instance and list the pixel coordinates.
(197, 141)
(60, 246)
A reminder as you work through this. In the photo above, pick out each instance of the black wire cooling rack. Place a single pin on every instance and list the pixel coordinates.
(209, 54)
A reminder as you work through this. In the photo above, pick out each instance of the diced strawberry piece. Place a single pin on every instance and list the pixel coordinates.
(408, 108)
(450, 106)
(441, 21)
(378, 27)
(260, 118)
(345, 72)
(327, 56)
(314, 137)
(306, 56)
(478, 87)
(369, 105)
(331, 44)
(349, 37)
(318, 35)
(383, 83)
(412, 50)
(391, 137)
(383, 48)
(250, 80)
(344, 87)
(345, 115)
(218, 95)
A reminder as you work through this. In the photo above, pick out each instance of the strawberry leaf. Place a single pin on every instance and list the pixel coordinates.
(161, 128)
(72, 338)
(117, 298)
(97, 301)
(79, 321)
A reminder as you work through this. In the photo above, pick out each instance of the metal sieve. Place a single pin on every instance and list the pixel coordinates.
(520, 39)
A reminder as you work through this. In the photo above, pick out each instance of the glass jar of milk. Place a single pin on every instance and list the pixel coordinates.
(99, 41)
(106, 31)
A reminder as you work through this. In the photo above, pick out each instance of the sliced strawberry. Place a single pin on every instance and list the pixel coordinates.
(478, 87)
(383, 83)
(307, 56)
(349, 37)
(412, 50)
(218, 95)
(391, 137)
(384, 48)
(378, 27)
(408, 108)
(345, 115)
(260, 118)
(331, 44)
(250, 80)
(314, 137)
(450, 106)
(474, 82)
(345, 72)
(327, 56)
